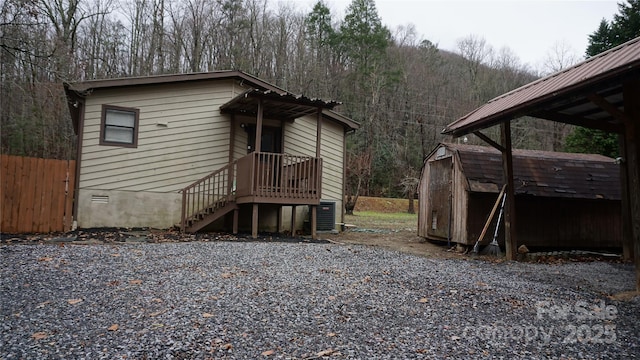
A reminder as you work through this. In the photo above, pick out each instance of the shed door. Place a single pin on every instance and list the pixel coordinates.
(439, 198)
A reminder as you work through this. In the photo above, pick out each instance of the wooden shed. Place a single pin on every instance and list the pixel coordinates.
(564, 200)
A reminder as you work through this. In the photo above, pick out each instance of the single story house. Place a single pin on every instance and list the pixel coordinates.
(220, 149)
(564, 200)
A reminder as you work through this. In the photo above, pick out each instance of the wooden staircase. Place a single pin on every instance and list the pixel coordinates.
(208, 199)
(209, 215)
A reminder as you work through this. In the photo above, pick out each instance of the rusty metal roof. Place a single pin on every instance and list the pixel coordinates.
(569, 96)
(541, 173)
(276, 105)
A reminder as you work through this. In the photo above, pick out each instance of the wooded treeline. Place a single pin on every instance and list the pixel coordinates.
(397, 84)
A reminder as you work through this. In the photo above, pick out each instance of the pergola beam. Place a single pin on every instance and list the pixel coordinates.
(489, 141)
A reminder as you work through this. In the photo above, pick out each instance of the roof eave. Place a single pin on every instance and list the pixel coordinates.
(85, 86)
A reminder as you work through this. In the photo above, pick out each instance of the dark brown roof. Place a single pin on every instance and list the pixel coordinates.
(541, 173)
(84, 86)
(288, 105)
(569, 96)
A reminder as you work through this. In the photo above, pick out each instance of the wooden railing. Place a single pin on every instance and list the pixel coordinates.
(257, 177)
(283, 177)
(208, 194)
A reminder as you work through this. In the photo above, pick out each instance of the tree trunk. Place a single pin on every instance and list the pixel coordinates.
(350, 204)
(412, 208)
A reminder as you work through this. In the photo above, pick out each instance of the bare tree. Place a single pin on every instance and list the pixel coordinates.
(560, 56)
(477, 53)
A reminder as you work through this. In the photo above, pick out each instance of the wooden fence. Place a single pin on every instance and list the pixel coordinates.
(37, 194)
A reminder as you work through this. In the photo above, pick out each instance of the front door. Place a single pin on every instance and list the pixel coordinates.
(439, 225)
(271, 140)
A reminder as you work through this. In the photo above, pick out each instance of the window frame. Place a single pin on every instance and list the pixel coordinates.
(103, 126)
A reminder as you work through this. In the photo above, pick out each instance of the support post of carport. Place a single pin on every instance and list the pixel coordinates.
(627, 233)
(631, 92)
(510, 240)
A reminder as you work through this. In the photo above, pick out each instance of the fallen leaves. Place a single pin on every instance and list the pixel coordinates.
(39, 335)
(43, 304)
(45, 258)
(325, 352)
(135, 282)
(74, 301)
(113, 327)
(157, 313)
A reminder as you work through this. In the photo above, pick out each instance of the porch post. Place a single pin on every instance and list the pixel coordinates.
(293, 220)
(254, 222)
(510, 240)
(314, 222)
(319, 132)
(259, 126)
(235, 221)
(232, 137)
(314, 208)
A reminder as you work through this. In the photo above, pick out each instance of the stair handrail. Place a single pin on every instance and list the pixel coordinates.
(209, 191)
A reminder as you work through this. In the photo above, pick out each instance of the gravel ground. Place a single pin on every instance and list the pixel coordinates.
(248, 300)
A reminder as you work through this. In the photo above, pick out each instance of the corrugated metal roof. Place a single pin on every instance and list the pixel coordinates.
(276, 105)
(541, 173)
(563, 96)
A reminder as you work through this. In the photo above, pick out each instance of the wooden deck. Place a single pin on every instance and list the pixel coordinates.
(258, 178)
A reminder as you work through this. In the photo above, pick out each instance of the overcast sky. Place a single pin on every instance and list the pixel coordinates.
(528, 27)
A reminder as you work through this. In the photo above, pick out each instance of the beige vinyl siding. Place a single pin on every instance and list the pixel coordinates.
(332, 160)
(300, 139)
(240, 144)
(195, 141)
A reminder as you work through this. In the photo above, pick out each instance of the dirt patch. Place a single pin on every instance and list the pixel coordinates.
(383, 205)
(402, 240)
(390, 230)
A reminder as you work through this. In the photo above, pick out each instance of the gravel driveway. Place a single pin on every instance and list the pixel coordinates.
(295, 300)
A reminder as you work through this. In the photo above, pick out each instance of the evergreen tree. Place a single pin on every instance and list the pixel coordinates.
(626, 24)
(624, 27)
(600, 40)
(319, 31)
(363, 38)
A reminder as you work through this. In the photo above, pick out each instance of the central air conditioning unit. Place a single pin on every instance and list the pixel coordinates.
(326, 216)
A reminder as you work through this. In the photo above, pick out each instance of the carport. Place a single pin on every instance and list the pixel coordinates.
(603, 92)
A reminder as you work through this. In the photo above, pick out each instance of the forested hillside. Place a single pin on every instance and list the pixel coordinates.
(400, 87)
